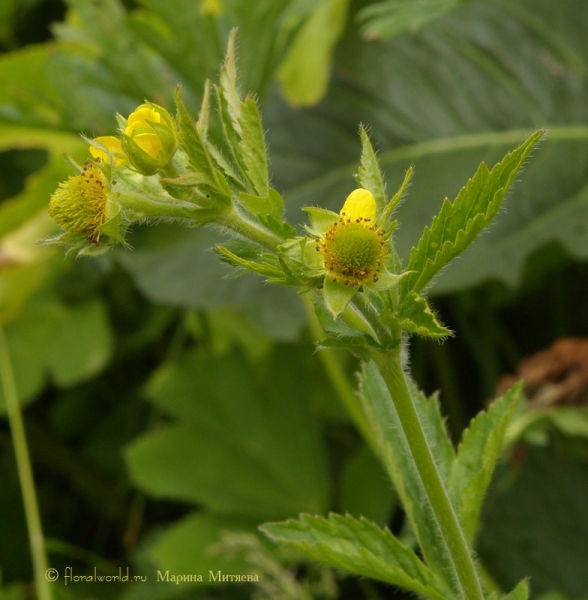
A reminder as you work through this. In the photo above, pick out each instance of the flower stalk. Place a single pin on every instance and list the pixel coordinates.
(25, 473)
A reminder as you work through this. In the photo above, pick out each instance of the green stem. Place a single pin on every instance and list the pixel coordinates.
(390, 367)
(25, 473)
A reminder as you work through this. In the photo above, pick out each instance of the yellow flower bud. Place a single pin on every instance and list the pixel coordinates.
(150, 138)
(80, 204)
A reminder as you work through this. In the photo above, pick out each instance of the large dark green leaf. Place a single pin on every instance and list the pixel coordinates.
(248, 448)
(466, 88)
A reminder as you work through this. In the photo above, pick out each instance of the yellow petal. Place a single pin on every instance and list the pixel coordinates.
(140, 116)
(360, 204)
(113, 144)
(150, 143)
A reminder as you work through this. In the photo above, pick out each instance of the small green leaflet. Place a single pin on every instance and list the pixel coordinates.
(460, 222)
(358, 546)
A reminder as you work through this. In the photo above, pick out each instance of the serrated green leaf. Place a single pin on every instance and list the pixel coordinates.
(193, 145)
(360, 547)
(416, 316)
(476, 459)
(369, 175)
(252, 147)
(396, 457)
(460, 222)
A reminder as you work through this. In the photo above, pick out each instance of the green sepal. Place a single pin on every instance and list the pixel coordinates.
(92, 251)
(113, 227)
(168, 137)
(252, 147)
(193, 145)
(291, 257)
(360, 547)
(415, 315)
(387, 280)
(476, 459)
(384, 218)
(369, 175)
(337, 295)
(73, 243)
(459, 222)
(321, 219)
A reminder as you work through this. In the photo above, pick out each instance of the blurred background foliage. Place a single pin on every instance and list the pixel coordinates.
(168, 404)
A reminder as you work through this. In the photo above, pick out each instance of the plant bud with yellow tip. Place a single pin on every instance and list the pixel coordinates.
(150, 138)
(82, 203)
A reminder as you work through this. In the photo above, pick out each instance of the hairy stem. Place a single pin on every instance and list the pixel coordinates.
(390, 367)
(25, 473)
